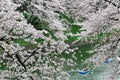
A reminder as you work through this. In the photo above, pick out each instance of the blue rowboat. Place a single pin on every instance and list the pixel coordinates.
(108, 61)
(84, 72)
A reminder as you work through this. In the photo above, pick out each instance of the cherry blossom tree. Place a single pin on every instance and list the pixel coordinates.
(34, 34)
(18, 60)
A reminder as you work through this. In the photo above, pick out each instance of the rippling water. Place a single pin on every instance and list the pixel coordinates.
(99, 73)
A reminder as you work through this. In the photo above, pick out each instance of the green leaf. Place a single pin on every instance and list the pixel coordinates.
(21, 42)
(75, 29)
(39, 40)
(26, 15)
(3, 65)
(0, 17)
(18, 20)
(1, 50)
(35, 21)
(71, 38)
(66, 17)
(27, 45)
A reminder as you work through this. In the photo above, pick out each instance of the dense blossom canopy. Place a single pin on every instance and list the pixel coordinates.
(35, 33)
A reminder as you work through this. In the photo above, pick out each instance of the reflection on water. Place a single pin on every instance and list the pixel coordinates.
(81, 54)
(96, 73)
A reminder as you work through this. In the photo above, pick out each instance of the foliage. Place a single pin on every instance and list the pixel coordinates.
(35, 21)
(66, 17)
(21, 42)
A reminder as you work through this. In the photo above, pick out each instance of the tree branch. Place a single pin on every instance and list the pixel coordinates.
(18, 58)
(109, 1)
(33, 53)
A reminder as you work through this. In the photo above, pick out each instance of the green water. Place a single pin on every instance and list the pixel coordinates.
(92, 75)
(81, 54)
(82, 50)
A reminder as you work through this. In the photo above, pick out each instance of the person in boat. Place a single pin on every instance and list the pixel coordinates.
(108, 60)
(86, 68)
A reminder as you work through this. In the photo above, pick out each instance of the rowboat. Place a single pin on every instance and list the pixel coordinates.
(108, 60)
(84, 72)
